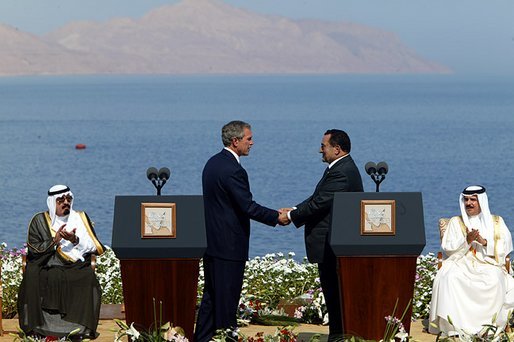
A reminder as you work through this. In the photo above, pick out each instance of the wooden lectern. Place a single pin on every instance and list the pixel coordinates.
(159, 241)
(377, 238)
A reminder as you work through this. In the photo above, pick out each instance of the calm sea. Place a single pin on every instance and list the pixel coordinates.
(437, 133)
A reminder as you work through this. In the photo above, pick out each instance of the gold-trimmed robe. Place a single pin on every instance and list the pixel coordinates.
(57, 295)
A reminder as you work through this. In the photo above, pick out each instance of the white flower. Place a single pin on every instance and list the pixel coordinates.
(133, 333)
(402, 335)
(298, 312)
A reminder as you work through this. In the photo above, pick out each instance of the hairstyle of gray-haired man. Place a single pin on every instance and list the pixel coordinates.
(234, 129)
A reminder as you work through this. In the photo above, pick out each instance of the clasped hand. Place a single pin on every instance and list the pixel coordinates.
(474, 235)
(66, 235)
(283, 220)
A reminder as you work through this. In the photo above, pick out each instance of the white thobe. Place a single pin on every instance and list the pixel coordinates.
(86, 245)
(472, 288)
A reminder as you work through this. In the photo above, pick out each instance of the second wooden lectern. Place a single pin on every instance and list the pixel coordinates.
(377, 238)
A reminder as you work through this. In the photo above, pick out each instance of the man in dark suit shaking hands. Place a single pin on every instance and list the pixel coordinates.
(316, 214)
(228, 207)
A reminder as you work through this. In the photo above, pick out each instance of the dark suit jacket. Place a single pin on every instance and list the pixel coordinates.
(229, 206)
(316, 211)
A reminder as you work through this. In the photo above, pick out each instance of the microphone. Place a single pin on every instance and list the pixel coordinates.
(158, 178)
(151, 174)
(382, 168)
(164, 173)
(371, 168)
(377, 172)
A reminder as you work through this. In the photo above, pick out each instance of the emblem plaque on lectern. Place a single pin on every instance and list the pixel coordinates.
(378, 217)
(158, 220)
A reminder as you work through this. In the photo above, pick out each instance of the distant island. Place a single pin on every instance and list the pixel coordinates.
(208, 37)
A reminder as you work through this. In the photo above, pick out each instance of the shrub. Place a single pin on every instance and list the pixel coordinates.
(11, 278)
(425, 273)
(109, 276)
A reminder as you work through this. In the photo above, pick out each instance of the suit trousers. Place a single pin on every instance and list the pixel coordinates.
(221, 293)
(330, 284)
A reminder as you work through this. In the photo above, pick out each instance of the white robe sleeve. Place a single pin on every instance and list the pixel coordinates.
(489, 236)
(507, 236)
(454, 240)
(504, 247)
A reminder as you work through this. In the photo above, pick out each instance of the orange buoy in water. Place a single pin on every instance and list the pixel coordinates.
(80, 146)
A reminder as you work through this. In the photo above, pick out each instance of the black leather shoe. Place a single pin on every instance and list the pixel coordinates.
(91, 335)
(335, 338)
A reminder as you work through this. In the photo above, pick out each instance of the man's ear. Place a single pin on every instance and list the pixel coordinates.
(235, 142)
(338, 149)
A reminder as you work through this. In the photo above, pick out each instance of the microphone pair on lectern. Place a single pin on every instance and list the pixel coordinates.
(158, 178)
(377, 172)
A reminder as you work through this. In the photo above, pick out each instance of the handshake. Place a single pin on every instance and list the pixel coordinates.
(283, 220)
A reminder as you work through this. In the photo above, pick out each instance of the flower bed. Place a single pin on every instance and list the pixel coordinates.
(271, 283)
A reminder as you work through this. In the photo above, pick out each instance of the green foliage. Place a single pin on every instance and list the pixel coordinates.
(161, 333)
(276, 320)
(284, 334)
(489, 332)
(275, 277)
(22, 337)
(425, 273)
(11, 278)
(109, 276)
(394, 327)
(158, 333)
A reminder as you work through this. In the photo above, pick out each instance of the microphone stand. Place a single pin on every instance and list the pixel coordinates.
(377, 172)
(377, 179)
(158, 184)
(158, 178)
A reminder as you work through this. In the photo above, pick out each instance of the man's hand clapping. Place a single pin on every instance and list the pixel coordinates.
(58, 235)
(474, 235)
(66, 235)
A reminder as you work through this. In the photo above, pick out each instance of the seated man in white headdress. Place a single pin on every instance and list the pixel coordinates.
(59, 292)
(473, 288)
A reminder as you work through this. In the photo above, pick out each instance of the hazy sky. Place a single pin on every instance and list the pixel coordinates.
(469, 36)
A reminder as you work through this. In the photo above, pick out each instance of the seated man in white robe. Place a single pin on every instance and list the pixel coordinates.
(473, 287)
(59, 292)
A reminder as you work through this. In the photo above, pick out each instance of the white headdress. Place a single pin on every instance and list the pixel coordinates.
(86, 244)
(485, 216)
(55, 192)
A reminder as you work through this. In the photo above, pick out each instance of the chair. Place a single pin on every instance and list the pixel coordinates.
(1, 299)
(443, 224)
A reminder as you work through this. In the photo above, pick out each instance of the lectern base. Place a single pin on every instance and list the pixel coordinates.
(370, 287)
(173, 282)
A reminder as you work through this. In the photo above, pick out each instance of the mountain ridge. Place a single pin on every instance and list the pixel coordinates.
(212, 37)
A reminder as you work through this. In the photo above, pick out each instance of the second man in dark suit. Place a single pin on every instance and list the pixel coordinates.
(228, 206)
(315, 213)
